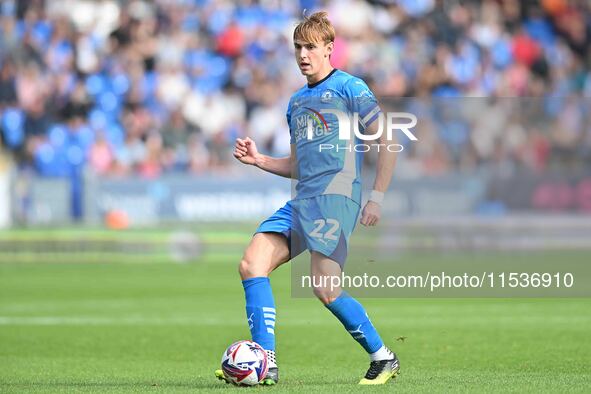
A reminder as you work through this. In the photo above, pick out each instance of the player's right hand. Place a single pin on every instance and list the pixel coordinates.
(246, 151)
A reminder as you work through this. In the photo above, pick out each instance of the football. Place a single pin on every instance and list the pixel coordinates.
(245, 363)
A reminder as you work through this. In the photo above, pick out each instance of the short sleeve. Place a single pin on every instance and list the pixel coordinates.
(362, 101)
(288, 116)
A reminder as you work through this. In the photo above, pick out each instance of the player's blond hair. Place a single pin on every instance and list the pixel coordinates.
(314, 29)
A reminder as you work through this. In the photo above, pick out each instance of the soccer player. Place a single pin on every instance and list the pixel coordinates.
(326, 207)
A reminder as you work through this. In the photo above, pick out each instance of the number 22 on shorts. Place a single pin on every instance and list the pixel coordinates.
(325, 229)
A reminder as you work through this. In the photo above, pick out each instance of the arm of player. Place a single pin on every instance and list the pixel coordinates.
(372, 211)
(246, 152)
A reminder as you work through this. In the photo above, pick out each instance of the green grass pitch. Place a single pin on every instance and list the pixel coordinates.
(157, 327)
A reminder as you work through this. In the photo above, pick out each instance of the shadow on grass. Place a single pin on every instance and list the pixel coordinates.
(144, 386)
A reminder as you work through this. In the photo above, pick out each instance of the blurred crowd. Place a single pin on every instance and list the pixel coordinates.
(150, 87)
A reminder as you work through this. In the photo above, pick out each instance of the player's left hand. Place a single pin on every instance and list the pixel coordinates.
(370, 216)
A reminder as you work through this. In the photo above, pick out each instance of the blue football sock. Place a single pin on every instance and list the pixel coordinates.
(351, 313)
(260, 311)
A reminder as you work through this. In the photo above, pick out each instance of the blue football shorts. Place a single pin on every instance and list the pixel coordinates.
(321, 224)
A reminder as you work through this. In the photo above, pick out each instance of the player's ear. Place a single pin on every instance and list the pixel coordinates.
(329, 49)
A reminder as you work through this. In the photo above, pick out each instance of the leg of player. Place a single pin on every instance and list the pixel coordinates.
(265, 253)
(384, 364)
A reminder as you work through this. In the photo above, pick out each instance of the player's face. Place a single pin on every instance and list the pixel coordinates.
(312, 58)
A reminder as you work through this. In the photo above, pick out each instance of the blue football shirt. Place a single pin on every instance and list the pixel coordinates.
(322, 169)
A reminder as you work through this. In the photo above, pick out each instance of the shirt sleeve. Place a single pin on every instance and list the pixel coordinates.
(363, 102)
(288, 116)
